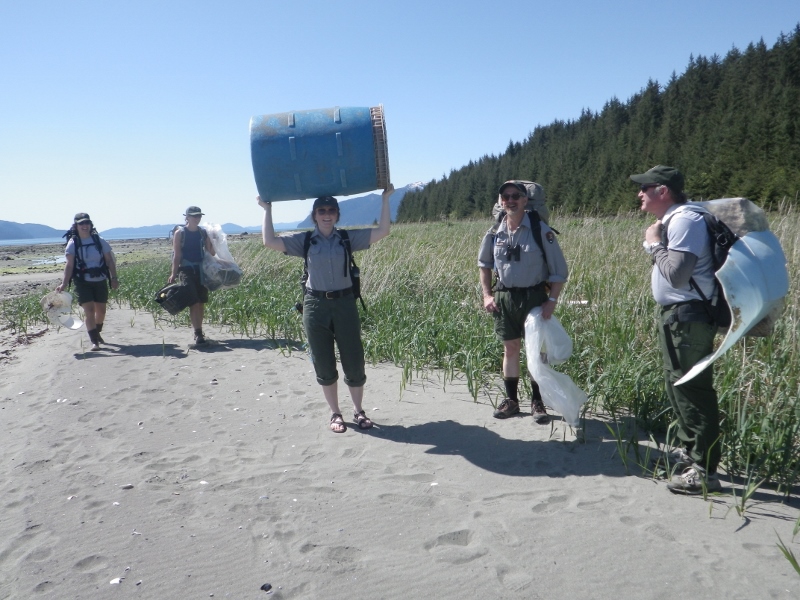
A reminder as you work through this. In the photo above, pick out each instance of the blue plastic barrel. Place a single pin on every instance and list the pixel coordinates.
(336, 151)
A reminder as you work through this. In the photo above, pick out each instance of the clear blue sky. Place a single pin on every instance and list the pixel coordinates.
(133, 110)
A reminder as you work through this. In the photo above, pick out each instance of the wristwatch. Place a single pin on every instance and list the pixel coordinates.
(650, 248)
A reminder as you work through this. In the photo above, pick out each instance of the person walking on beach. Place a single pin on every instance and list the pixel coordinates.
(91, 265)
(330, 314)
(189, 244)
(526, 269)
(682, 263)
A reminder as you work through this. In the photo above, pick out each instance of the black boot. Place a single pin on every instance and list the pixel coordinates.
(199, 338)
(100, 337)
(95, 339)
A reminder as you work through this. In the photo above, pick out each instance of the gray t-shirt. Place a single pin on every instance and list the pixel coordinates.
(686, 231)
(326, 257)
(89, 254)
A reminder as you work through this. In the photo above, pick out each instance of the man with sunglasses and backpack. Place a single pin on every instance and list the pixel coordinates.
(531, 271)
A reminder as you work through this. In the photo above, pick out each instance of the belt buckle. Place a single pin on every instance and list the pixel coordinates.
(330, 295)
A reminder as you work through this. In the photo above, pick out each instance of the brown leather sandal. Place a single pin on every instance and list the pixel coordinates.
(362, 420)
(337, 423)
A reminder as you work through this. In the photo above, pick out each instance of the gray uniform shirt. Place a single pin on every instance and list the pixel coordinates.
(687, 232)
(326, 257)
(532, 268)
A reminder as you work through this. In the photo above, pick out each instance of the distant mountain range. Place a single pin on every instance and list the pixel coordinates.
(26, 231)
(364, 210)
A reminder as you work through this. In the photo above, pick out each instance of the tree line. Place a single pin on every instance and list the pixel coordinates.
(731, 125)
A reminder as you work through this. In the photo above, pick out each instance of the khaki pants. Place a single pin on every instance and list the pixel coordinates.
(329, 321)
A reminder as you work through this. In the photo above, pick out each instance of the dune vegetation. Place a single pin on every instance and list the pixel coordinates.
(424, 314)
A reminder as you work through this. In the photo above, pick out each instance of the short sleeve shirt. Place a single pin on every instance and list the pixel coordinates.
(327, 268)
(533, 267)
(686, 232)
(89, 254)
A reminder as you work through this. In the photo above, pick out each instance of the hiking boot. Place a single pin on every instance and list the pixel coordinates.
(508, 408)
(693, 480)
(678, 460)
(99, 329)
(538, 411)
(200, 340)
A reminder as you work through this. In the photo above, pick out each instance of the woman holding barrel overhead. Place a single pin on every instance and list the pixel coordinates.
(330, 314)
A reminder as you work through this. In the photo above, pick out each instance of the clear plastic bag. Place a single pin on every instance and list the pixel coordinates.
(221, 271)
(547, 343)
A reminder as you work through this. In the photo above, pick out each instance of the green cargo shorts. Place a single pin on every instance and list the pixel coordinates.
(91, 291)
(514, 306)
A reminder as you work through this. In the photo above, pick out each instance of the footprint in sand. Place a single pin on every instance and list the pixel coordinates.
(455, 548)
(91, 564)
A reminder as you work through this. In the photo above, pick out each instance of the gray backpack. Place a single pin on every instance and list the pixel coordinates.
(535, 200)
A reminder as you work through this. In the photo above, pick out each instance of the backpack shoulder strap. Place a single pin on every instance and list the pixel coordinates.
(536, 229)
(96, 239)
(306, 246)
(349, 261)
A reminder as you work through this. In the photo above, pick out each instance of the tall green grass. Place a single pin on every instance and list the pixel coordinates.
(425, 314)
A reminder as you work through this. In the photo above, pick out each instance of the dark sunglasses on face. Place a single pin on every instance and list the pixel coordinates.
(326, 211)
(644, 188)
(514, 196)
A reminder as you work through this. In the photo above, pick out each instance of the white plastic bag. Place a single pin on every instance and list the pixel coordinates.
(221, 271)
(546, 342)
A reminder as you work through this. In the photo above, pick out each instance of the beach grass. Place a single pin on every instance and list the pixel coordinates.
(424, 314)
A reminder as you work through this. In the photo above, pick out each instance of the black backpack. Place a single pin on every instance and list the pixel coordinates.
(721, 239)
(349, 264)
(80, 270)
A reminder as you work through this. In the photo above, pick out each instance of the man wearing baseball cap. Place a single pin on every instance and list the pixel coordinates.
(683, 272)
(525, 272)
(189, 244)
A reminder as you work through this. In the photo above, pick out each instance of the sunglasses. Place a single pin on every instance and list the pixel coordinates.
(514, 196)
(326, 211)
(644, 188)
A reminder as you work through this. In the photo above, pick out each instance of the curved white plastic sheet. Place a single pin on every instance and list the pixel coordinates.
(754, 279)
(58, 308)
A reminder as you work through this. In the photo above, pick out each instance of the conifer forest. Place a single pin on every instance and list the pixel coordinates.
(731, 124)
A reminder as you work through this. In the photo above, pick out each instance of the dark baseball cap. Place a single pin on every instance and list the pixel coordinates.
(193, 211)
(661, 175)
(81, 217)
(515, 184)
(325, 201)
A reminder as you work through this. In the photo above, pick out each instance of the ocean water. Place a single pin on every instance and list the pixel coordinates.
(59, 240)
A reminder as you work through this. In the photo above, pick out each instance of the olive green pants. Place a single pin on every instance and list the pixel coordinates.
(683, 345)
(329, 321)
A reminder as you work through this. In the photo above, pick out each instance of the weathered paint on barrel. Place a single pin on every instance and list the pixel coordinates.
(324, 152)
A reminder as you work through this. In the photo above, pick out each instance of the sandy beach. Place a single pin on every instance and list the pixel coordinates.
(152, 470)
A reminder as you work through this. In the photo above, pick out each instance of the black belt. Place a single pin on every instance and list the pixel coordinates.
(330, 295)
(501, 288)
